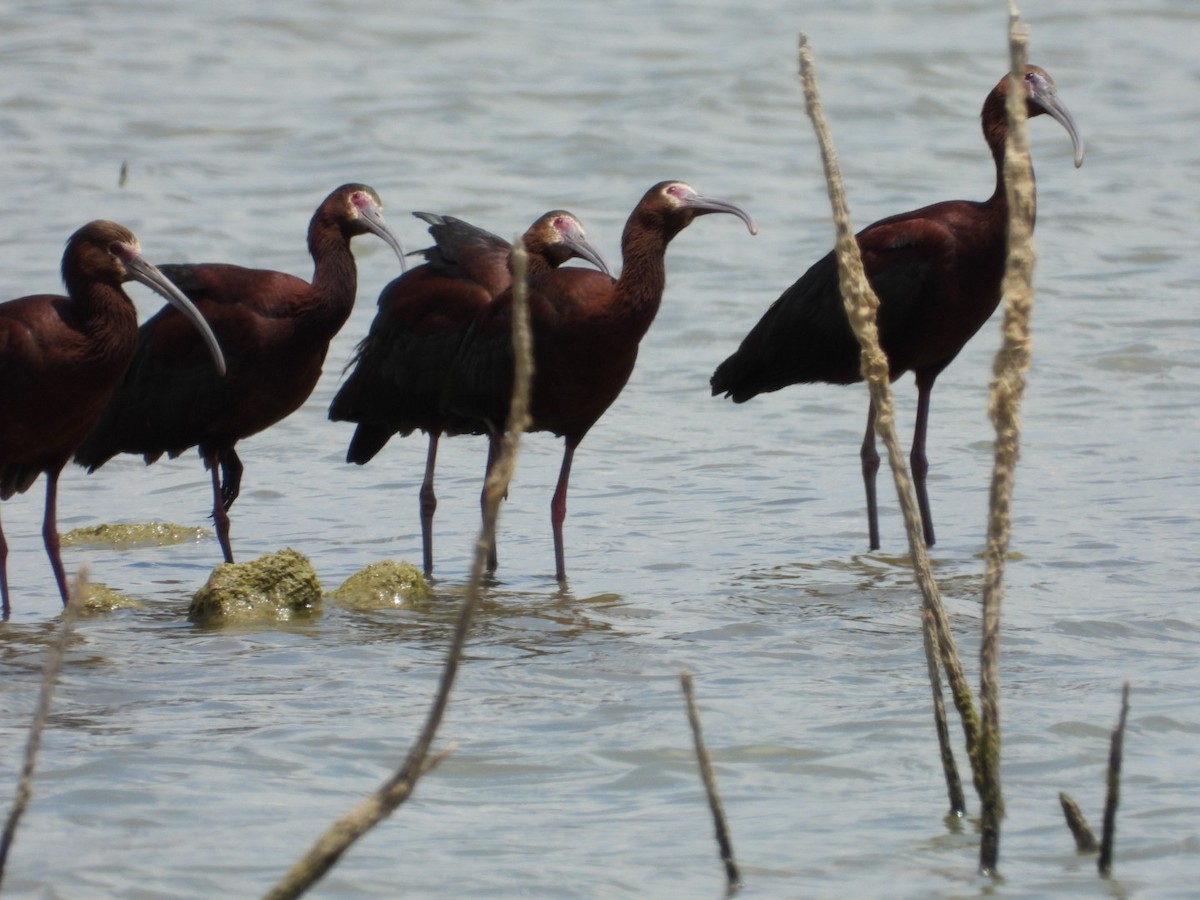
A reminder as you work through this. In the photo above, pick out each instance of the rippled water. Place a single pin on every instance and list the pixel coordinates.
(726, 540)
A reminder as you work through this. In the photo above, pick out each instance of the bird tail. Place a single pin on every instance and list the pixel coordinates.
(368, 440)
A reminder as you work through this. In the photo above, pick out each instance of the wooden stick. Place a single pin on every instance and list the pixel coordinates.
(1007, 391)
(1116, 749)
(54, 660)
(861, 305)
(733, 878)
(1085, 840)
(339, 837)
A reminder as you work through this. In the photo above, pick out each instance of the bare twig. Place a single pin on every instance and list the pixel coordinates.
(733, 878)
(54, 659)
(861, 305)
(1085, 840)
(1109, 836)
(1007, 391)
(328, 849)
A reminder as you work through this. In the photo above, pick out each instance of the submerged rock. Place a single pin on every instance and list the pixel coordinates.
(279, 587)
(383, 585)
(101, 598)
(124, 537)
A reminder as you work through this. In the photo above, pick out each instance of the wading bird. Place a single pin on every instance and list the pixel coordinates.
(400, 368)
(937, 273)
(62, 357)
(586, 330)
(275, 329)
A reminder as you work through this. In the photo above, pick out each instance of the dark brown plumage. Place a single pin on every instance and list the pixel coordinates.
(61, 359)
(586, 330)
(937, 272)
(275, 330)
(400, 368)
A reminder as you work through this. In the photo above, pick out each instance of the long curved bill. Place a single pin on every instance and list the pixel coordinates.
(141, 269)
(702, 204)
(582, 247)
(372, 217)
(1045, 95)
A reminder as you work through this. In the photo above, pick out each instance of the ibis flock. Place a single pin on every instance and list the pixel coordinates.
(238, 349)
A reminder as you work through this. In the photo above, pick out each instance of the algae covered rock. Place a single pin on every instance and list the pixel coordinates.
(279, 587)
(383, 585)
(100, 598)
(125, 537)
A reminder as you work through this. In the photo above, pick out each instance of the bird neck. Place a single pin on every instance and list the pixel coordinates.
(639, 289)
(335, 275)
(106, 315)
(995, 132)
(97, 304)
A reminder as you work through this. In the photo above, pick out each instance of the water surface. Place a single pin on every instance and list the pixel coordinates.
(726, 540)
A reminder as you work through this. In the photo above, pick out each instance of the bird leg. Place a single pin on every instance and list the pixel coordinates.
(428, 503)
(219, 514)
(7, 610)
(558, 510)
(231, 477)
(870, 466)
(492, 455)
(50, 534)
(916, 459)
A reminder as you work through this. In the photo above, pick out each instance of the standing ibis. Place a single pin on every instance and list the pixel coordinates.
(937, 274)
(61, 359)
(275, 329)
(586, 329)
(400, 368)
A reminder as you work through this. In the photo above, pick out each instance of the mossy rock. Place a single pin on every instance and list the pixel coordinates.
(279, 587)
(103, 599)
(126, 537)
(383, 585)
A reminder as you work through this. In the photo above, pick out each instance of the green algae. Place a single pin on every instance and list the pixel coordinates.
(383, 585)
(130, 536)
(103, 599)
(278, 587)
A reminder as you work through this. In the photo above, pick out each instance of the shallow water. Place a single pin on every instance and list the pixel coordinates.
(726, 540)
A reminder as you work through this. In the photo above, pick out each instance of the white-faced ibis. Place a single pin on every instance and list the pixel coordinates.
(400, 368)
(275, 329)
(61, 359)
(586, 330)
(937, 273)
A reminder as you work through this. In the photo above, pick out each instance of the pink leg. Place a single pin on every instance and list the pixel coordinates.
(870, 466)
(558, 510)
(50, 535)
(7, 610)
(428, 503)
(219, 514)
(917, 460)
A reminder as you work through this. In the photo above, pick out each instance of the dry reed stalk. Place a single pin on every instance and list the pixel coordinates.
(733, 878)
(328, 849)
(1085, 840)
(861, 305)
(1116, 749)
(1006, 393)
(54, 659)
